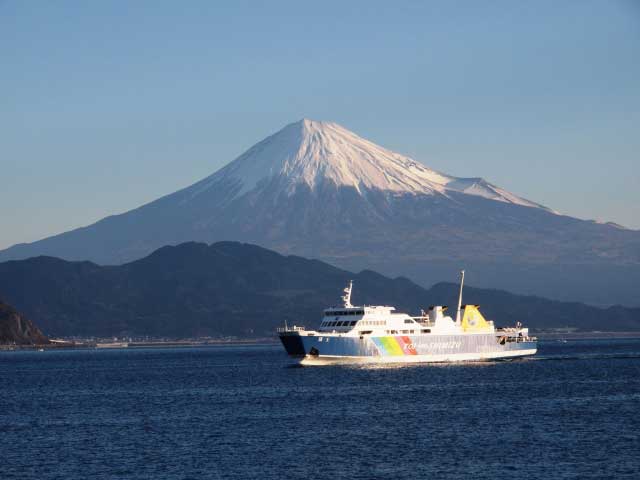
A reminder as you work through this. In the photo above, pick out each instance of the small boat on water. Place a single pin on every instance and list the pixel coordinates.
(379, 334)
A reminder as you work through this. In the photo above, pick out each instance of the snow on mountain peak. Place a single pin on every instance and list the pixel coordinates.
(310, 152)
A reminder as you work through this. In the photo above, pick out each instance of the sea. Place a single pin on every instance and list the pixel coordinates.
(241, 412)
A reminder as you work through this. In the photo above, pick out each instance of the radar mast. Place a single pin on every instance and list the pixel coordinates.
(460, 297)
(346, 298)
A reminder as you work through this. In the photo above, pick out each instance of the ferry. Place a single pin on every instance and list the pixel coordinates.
(379, 334)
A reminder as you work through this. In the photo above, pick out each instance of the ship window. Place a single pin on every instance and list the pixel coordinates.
(411, 331)
(426, 330)
(408, 320)
(405, 331)
(353, 322)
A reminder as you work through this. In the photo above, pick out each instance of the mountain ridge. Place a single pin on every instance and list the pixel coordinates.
(424, 226)
(231, 288)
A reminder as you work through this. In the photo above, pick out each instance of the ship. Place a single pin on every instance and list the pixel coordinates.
(380, 334)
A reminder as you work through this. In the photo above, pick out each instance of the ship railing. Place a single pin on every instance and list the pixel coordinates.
(295, 328)
(424, 321)
(518, 339)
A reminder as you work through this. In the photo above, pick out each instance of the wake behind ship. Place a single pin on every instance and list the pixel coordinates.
(380, 334)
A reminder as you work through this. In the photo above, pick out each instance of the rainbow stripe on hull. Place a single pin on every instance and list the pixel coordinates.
(394, 346)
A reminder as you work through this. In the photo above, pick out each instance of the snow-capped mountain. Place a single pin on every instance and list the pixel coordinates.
(318, 190)
(310, 153)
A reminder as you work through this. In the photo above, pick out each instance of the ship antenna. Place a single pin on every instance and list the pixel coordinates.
(460, 297)
(347, 295)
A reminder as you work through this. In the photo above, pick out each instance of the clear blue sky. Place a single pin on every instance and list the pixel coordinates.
(108, 105)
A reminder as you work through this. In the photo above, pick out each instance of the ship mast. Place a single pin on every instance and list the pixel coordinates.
(460, 297)
(347, 295)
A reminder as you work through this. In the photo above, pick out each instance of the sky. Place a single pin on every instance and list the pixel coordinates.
(105, 106)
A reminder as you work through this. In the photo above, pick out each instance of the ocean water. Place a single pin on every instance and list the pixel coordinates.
(242, 412)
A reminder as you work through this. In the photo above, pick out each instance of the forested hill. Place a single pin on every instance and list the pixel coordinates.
(230, 288)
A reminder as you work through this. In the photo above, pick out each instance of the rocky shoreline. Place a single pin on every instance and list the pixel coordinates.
(16, 329)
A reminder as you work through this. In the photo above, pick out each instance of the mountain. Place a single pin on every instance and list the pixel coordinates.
(318, 190)
(16, 329)
(230, 288)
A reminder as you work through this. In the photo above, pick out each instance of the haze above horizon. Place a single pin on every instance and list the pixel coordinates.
(108, 106)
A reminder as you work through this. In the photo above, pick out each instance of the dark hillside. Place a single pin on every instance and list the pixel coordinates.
(231, 288)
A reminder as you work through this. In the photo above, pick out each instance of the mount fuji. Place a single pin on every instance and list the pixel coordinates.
(318, 190)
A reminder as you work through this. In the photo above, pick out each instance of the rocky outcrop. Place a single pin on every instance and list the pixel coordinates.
(18, 330)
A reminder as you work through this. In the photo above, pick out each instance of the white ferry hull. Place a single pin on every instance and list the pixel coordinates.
(313, 348)
(459, 357)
